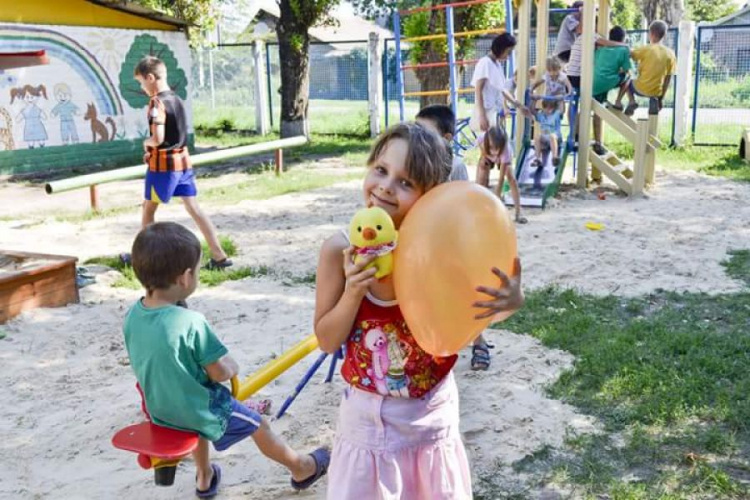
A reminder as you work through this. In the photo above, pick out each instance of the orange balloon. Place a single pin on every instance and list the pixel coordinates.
(448, 244)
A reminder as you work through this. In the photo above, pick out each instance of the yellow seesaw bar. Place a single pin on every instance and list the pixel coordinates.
(272, 369)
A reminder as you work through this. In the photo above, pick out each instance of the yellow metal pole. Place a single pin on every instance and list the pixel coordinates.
(273, 369)
(587, 87)
(522, 59)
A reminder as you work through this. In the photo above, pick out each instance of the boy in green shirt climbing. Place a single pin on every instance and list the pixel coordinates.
(611, 67)
(180, 363)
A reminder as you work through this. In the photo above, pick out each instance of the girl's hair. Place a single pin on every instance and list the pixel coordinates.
(501, 43)
(554, 63)
(428, 161)
(495, 137)
(549, 103)
(20, 92)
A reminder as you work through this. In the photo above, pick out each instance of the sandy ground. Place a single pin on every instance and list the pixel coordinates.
(68, 386)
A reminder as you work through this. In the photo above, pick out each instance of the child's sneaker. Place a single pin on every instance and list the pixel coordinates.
(218, 265)
(630, 110)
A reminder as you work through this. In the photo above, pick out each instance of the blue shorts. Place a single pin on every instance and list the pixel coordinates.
(635, 92)
(243, 422)
(162, 186)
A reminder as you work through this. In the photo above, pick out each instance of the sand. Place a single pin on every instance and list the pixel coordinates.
(69, 388)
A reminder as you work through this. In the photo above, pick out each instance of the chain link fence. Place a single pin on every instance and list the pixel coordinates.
(721, 93)
(223, 81)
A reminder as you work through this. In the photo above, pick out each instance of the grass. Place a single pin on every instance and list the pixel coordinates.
(352, 150)
(209, 278)
(267, 185)
(668, 375)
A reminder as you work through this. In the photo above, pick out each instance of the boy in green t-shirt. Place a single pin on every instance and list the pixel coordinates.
(611, 67)
(180, 363)
(656, 65)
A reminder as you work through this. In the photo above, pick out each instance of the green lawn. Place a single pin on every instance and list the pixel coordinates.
(667, 374)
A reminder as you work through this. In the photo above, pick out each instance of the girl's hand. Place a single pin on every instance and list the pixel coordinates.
(509, 297)
(358, 281)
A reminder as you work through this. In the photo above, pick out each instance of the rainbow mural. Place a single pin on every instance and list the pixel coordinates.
(64, 48)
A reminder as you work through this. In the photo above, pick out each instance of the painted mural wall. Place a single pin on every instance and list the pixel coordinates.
(84, 107)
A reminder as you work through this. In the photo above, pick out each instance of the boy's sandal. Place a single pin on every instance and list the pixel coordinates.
(617, 107)
(126, 259)
(217, 265)
(322, 459)
(480, 357)
(630, 110)
(213, 489)
(260, 406)
(520, 219)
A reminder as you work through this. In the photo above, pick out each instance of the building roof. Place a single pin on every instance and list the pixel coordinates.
(138, 10)
(347, 27)
(724, 20)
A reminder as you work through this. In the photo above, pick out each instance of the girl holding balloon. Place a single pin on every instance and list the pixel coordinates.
(398, 430)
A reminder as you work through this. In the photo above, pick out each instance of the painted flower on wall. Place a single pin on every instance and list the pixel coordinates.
(109, 47)
(7, 80)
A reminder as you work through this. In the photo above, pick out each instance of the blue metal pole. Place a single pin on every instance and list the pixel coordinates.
(511, 63)
(697, 78)
(399, 75)
(451, 59)
(332, 369)
(302, 383)
(385, 82)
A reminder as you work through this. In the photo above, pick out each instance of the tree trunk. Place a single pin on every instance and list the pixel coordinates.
(673, 11)
(294, 45)
(434, 78)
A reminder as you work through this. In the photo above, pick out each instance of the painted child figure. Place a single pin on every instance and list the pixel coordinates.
(66, 110)
(180, 363)
(398, 434)
(34, 132)
(170, 172)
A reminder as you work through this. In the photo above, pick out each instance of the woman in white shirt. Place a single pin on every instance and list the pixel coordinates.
(491, 88)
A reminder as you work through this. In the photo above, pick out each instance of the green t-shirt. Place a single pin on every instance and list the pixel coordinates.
(168, 348)
(609, 63)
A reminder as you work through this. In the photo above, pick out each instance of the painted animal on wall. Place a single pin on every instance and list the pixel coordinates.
(34, 132)
(6, 132)
(98, 128)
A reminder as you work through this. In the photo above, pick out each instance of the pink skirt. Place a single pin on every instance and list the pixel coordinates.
(396, 448)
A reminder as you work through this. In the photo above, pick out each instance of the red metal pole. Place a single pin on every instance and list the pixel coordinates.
(94, 197)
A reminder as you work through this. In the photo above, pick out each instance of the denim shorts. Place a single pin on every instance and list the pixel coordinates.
(243, 422)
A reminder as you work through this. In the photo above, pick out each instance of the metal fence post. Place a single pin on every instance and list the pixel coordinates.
(374, 81)
(685, 38)
(268, 84)
(697, 79)
(261, 97)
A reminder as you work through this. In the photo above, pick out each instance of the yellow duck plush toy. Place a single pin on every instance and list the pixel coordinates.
(372, 232)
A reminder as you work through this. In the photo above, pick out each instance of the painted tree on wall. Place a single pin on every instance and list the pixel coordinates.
(145, 45)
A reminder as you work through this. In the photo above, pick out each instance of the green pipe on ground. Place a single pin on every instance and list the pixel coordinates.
(138, 171)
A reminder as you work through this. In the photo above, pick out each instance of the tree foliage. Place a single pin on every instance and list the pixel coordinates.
(710, 10)
(201, 15)
(626, 13)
